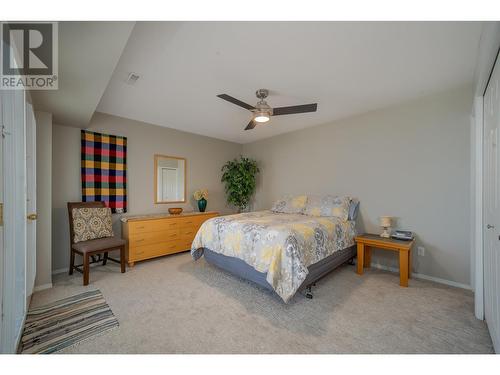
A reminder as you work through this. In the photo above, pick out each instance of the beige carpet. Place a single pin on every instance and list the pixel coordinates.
(175, 305)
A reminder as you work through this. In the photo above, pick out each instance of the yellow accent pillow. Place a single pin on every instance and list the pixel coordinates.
(290, 205)
(299, 201)
(328, 206)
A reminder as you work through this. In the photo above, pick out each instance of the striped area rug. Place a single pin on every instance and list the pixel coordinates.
(63, 323)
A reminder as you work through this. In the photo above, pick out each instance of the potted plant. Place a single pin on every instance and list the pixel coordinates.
(201, 196)
(239, 179)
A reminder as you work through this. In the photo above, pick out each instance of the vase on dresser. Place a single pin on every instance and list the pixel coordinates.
(202, 204)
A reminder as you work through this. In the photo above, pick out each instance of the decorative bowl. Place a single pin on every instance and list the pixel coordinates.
(175, 210)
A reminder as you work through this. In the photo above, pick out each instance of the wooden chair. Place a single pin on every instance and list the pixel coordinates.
(92, 248)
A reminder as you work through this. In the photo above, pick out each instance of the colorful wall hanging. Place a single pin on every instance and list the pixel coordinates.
(104, 169)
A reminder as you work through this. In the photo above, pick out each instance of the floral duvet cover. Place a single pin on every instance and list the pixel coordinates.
(281, 245)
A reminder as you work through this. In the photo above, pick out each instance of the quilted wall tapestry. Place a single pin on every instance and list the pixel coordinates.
(104, 169)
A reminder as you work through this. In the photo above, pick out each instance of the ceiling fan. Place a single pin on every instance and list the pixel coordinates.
(262, 111)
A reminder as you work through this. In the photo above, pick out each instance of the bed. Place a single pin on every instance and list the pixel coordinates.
(282, 252)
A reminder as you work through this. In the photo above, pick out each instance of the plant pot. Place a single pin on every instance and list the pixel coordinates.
(202, 205)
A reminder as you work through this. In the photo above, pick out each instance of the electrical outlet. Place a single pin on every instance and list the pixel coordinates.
(421, 251)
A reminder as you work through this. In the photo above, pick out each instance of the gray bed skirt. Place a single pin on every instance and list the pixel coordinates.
(316, 271)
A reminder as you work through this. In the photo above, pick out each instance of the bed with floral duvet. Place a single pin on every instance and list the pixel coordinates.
(277, 250)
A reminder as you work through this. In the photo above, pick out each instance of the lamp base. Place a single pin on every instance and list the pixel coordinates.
(386, 233)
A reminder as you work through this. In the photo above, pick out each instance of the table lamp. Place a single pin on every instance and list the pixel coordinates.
(385, 222)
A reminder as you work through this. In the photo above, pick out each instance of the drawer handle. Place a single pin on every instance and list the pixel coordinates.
(189, 222)
(173, 235)
(189, 233)
(140, 228)
(139, 240)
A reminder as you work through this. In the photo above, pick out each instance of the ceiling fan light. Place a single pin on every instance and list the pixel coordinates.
(261, 117)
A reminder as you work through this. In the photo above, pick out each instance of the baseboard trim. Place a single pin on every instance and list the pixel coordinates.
(60, 270)
(374, 265)
(424, 277)
(39, 288)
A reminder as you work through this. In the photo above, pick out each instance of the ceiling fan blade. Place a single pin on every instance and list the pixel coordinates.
(236, 101)
(251, 125)
(295, 109)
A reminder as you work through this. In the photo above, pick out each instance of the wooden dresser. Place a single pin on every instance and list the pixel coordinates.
(151, 236)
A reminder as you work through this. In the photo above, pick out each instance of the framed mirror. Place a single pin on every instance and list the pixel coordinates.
(170, 179)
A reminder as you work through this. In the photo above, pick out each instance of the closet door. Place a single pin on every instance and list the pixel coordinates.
(14, 229)
(492, 206)
(30, 201)
(2, 247)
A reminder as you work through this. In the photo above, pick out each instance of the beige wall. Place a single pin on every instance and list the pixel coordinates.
(411, 161)
(43, 199)
(205, 157)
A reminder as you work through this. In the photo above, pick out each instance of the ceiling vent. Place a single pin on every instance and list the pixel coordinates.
(132, 78)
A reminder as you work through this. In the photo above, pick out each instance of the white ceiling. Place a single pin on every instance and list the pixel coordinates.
(346, 67)
(88, 54)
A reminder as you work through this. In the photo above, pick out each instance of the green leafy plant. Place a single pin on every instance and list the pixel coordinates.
(239, 179)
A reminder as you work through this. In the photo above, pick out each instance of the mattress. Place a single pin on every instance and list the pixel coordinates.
(281, 246)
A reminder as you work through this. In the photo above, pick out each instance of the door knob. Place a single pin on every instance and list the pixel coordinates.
(489, 226)
(32, 216)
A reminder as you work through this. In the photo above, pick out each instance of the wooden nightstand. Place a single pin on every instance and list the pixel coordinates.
(366, 241)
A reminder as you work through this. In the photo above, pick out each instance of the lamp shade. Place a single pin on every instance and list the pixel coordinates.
(385, 221)
(261, 116)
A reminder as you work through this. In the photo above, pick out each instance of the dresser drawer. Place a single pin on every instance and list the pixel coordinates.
(154, 250)
(151, 238)
(185, 245)
(188, 232)
(152, 226)
(148, 238)
(194, 221)
(190, 222)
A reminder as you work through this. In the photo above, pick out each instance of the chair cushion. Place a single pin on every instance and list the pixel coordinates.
(98, 244)
(91, 223)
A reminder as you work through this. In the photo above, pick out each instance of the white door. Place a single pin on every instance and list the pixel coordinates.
(2, 283)
(169, 184)
(30, 200)
(491, 203)
(13, 118)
